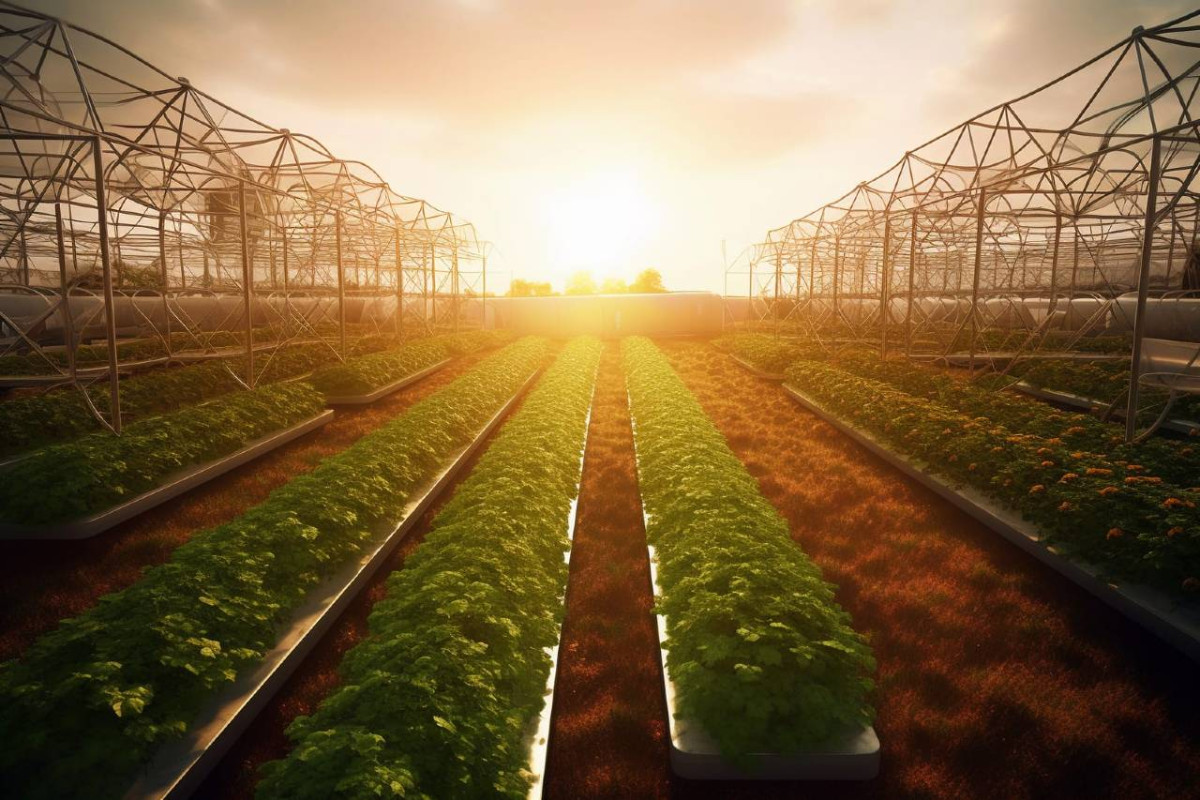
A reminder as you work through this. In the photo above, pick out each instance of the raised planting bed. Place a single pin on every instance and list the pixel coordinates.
(77, 489)
(764, 676)
(1184, 426)
(1174, 618)
(62, 415)
(386, 389)
(755, 371)
(764, 355)
(443, 697)
(697, 755)
(173, 486)
(1169, 459)
(179, 768)
(89, 704)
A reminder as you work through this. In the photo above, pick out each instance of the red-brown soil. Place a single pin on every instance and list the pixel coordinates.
(608, 737)
(44, 582)
(997, 678)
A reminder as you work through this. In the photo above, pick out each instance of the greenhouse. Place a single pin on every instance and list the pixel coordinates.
(299, 500)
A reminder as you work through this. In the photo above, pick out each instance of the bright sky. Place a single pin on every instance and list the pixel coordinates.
(618, 135)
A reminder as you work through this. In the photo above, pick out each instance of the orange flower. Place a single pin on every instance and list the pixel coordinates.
(953, 458)
(1108, 490)
(1044, 451)
(1068, 477)
(1074, 429)
(997, 449)
(1098, 471)
(1135, 467)
(971, 467)
(1077, 455)
(1065, 506)
(1008, 482)
(1047, 463)
(1191, 584)
(1114, 533)
(1173, 532)
(1185, 451)
(1055, 440)
(1172, 502)
(1038, 489)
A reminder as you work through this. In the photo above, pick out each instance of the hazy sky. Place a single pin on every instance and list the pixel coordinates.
(617, 134)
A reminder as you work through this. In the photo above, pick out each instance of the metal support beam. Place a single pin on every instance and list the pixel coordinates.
(884, 278)
(341, 283)
(110, 313)
(974, 314)
(247, 282)
(1143, 289)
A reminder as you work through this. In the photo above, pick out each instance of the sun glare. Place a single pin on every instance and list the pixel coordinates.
(597, 223)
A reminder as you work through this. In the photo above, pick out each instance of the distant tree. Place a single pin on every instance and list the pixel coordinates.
(613, 286)
(581, 283)
(648, 280)
(523, 288)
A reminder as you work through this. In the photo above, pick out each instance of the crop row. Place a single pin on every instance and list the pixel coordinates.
(57, 416)
(1170, 459)
(436, 702)
(768, 353)
(89, 702)
(98, 471)
(1109, 510)
(1103, 381)
(762, 655)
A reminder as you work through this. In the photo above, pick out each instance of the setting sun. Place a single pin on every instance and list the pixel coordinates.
(596, 223)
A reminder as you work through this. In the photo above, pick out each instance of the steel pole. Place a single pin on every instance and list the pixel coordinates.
(912, 272)
(162, 262)
(68, 319)
(974, 318)
(1139, 315)
(341, 281)
(884, 298)
(399, 319)
(247, 282)
(110, 324)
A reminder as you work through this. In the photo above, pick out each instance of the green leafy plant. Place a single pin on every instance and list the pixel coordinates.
(761, 654)
(1107, 506)
(98, 471)
(88, 703)
(436, 701)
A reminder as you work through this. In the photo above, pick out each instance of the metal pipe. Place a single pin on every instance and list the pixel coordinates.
(974, 317)
(399, 318)
(162, 264)
(884, 299)
(110, 324)
(912, 271)
(68, 318)
(341, 281)
(1139, 315)
(247, 283)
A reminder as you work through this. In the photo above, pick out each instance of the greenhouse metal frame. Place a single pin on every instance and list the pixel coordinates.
(1024, 232)
(135, 205)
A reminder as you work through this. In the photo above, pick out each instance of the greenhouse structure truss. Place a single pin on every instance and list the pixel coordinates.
(1059, 225)
(138, 210)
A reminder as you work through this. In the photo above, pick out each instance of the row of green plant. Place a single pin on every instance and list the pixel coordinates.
(764, 351)
(437, 702)
(761, 654)
(1172, 460)
(1108, 509)
(76, 479)
(1103, 381)
(365, 374)
(63, 414)
(88, 703)
(134, 350)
